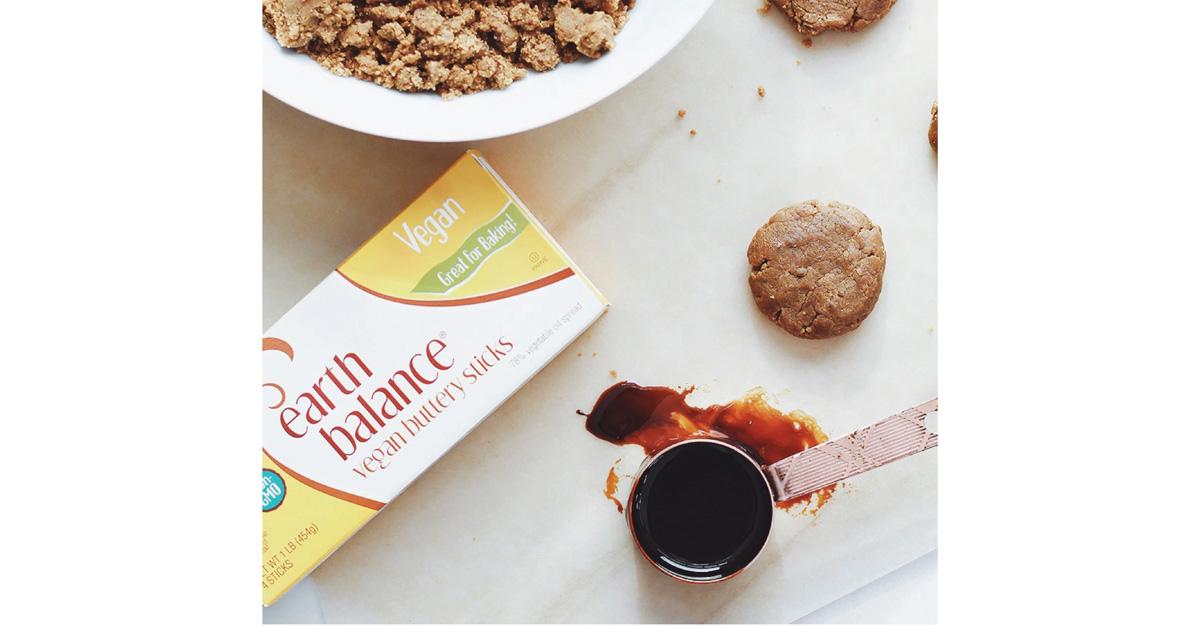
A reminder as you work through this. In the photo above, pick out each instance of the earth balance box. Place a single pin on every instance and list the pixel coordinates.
(394, 357)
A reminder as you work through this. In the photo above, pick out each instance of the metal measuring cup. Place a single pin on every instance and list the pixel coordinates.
(713, 527)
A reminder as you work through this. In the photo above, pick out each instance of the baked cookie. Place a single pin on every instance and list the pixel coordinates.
(933, 128)
(816, 269)
(813, 17)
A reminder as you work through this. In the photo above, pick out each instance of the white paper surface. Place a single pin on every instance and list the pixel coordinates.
(512, 524)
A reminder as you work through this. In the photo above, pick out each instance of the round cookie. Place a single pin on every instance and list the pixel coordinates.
(816, 269)
(813, 17)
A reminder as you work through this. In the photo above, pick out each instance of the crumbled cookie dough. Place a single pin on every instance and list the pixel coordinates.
(452, 47)
(933, 127)
(813, 17)
(591, 32)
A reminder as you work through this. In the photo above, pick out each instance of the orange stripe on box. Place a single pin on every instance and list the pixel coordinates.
(276, 344)
(454, 302)
(321, 487)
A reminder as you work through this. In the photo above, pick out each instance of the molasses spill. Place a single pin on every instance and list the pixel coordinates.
(610, 488)
(655, 417)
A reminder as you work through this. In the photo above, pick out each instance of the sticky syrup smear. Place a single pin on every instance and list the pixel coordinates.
(610, 487)
(656, 417)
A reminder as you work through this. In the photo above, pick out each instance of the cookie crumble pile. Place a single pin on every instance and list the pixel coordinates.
(452, 47)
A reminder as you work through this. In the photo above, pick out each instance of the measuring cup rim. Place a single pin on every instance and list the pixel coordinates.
(637, 479)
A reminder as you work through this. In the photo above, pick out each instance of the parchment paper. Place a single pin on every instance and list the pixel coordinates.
(512, 524)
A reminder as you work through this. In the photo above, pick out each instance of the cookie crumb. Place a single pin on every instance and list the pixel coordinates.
(682, 113)
(612, 373)
(766, 6)
(579, 354)
(807, 41)
(692, 132)
(594, 354)
(762, 93)
(933, 127)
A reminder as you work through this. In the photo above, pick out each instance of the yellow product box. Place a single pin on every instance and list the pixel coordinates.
(395, 356)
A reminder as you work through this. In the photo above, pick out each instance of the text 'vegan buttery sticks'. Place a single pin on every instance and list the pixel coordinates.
(395, 356)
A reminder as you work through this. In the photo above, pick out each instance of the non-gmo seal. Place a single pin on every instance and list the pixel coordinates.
(273, 490)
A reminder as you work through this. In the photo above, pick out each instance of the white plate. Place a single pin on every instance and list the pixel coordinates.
(654, 27)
